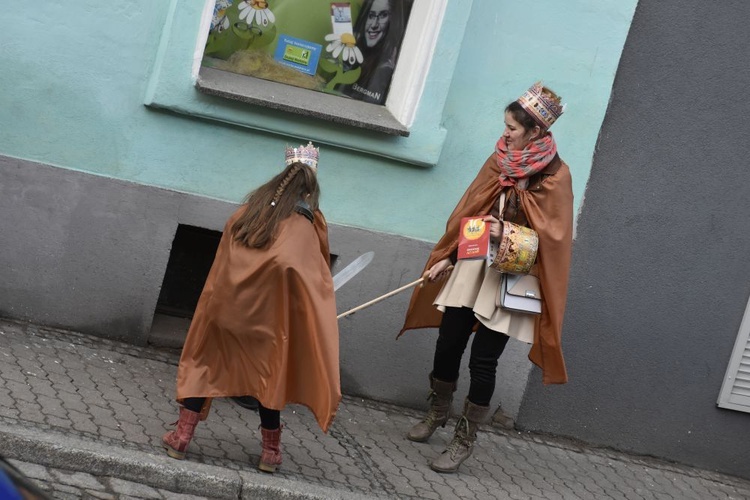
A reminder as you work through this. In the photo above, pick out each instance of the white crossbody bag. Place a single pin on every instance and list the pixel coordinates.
(519, 292)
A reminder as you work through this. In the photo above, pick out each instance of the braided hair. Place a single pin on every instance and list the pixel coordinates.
(273, 202)
(282, 185)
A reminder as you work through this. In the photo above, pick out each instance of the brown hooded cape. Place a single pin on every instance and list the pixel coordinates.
(265, 324)
(549, 209)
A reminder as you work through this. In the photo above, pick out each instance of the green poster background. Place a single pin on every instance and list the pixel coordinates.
(306, 19)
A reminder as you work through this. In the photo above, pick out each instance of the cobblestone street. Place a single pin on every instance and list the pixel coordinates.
(83, 417)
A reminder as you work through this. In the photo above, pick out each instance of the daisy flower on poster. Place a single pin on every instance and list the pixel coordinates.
(256, 11)
(344, 45)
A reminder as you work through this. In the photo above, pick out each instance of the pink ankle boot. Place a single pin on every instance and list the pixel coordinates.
(177, 441)
(270, 457)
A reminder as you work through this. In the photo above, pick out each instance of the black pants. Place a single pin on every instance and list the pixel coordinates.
(269, 419)
(488, 345)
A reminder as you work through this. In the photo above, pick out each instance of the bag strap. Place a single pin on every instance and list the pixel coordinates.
(501, 208)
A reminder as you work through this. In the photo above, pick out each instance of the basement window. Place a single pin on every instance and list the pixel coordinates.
(190, 260)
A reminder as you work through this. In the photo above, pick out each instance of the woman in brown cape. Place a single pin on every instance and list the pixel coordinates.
(265, 325)
(537, 190)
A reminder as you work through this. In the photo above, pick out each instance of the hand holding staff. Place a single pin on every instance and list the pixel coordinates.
(419, 282)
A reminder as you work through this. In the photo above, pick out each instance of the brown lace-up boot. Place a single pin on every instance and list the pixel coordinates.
(464, 438)
(441, 397)
(177, 441)
(270, 457)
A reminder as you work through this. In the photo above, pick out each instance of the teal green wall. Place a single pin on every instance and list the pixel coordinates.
(75, 75)
(573, 46)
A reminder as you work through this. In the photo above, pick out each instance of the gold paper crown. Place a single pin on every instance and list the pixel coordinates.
(305, 154)
(542, 104)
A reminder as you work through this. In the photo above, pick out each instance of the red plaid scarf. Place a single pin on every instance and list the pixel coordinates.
(517, 166)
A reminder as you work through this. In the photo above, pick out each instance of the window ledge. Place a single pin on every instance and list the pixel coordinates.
(288, 98)
(178, 84)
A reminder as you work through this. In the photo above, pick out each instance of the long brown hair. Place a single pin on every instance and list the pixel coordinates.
(273, 202)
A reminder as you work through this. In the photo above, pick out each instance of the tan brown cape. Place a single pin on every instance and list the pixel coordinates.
(265, 324)
(549, 209)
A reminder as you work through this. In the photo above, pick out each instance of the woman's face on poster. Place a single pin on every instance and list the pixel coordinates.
(378, 19)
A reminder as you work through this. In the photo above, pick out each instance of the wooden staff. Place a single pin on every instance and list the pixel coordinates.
(419, 282)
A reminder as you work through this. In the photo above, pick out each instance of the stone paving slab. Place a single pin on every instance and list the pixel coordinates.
(64, 484)
(96, 409)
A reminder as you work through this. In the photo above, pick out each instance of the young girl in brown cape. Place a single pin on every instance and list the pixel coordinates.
(526, 168)
(265, 325)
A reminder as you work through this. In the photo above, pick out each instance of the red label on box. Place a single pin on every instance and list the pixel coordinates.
(474, 239)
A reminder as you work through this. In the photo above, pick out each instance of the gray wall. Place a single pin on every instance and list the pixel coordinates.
(89, 253)
(661, 274)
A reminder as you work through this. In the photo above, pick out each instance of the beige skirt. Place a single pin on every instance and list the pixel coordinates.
(475, 285)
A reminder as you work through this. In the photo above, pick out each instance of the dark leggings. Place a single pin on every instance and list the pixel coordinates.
(269, 419)
(488, 345)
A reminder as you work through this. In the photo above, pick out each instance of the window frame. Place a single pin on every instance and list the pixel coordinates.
(406, 128)
(728, 396)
